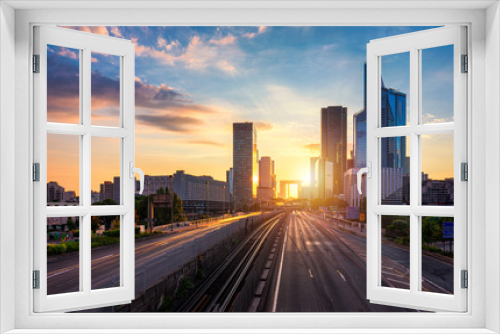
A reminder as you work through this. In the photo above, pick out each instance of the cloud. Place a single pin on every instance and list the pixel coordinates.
(229, 39)
(251, 35)
(204, 142)
(197, 55)
(263, 126)
(157, 105)
(116, 32)
(64, 52)
(92, 29)
(168, 122)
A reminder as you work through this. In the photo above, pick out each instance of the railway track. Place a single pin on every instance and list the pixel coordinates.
(218, 292)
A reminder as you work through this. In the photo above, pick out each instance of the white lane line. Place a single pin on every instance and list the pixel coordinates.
(278, 280)
(59, 272)
(341, 275)
(397, 281)
(311, 274)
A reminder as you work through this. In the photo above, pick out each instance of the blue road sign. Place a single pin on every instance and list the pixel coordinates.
(448, 230)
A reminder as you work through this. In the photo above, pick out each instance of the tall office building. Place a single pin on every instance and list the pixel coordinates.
(106, 190)
(393, 114)
(394, 162)
(267, 180)
(334, 143)
(245, 160)
(359, 140)
(393, 150)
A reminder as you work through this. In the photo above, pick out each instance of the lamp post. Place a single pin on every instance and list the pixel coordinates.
(172, 202)
(223, 200)
(206, 209)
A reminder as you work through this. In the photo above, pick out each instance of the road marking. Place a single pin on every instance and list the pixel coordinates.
(400, 282)
(311, 274)
(278, 280)
(341, 275)
(59, 272)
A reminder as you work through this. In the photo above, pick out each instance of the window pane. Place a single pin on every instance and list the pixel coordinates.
(437, 84)
(63, 256)
(105, 251)
(63, 85)
(105, 171)
(437, 169)
(395, 252)
(395, 171)
(63, 169)
(395, 83)
(437, 254)
(105, 89)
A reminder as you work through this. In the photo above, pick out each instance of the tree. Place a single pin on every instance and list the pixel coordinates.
(104, 220)
(71, 224)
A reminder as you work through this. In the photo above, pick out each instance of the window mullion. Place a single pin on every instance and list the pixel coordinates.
(414, 168)
(85, 167)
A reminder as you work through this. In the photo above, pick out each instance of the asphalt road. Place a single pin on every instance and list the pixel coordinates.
(63, 271)
(324, 269)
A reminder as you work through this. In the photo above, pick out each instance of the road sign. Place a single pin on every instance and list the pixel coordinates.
(448, 230)
(362, 217)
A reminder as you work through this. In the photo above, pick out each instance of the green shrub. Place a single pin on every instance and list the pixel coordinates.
(56, 249)
(112, 234)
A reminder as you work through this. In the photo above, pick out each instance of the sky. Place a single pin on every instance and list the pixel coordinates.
(192, 83)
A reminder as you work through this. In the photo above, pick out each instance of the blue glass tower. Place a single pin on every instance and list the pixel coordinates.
(359, 123)
(393, 150)
(393, 114)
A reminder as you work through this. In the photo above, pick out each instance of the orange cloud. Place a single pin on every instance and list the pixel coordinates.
(229, 39)
(261, 30)
(263, 126)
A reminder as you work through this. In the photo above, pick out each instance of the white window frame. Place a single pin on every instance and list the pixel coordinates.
(86, 43)
(484, 50)
(413, 43)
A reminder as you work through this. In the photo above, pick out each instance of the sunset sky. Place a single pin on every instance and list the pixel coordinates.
(192, 83)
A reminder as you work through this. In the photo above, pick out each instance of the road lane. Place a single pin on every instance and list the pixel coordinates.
(437, 274)
(320, 273)
(63, 271)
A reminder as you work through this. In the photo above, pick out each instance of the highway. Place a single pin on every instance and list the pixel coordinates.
(323, 269)
(63, 273)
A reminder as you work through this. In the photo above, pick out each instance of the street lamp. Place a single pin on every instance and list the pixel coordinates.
(223, 200)
(172, 202)
(206, 209)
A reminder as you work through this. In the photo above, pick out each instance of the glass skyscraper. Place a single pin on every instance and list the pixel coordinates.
(393, 106)
(393, 150)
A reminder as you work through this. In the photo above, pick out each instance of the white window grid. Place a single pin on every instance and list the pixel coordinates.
(86, 43)
(414, 296)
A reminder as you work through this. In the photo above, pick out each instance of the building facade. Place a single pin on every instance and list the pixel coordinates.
(334, 142)
(245, 159)
(202, 193)
(267, 180)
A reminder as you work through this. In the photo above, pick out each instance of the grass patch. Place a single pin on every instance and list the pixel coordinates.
(108, 238)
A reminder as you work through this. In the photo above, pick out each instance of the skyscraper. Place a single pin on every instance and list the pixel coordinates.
(393, 150)
(244, 164)
(359, 142)
(267, 180)
(334, 143)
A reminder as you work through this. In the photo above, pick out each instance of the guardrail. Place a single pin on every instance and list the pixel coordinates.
(175, 258)
(201, 222)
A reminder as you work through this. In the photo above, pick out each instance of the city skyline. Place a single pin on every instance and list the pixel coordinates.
(193, 82)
